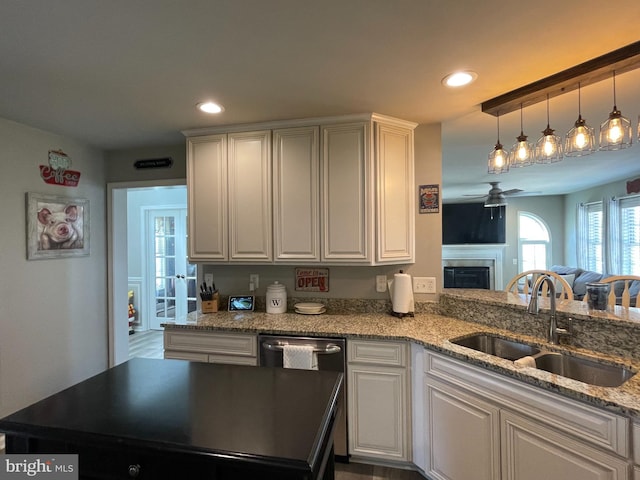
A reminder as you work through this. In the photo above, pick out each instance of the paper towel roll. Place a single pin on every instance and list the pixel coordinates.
(402, 298)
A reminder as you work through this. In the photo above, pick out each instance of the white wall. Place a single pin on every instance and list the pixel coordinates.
(53, 313)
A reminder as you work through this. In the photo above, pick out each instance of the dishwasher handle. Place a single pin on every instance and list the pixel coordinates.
(329, 349)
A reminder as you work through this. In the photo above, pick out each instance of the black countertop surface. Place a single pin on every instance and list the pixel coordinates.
(271, 415)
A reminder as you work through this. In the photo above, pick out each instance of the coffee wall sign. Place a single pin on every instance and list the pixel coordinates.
(58, 171)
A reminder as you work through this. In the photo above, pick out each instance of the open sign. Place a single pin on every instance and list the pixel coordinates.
(312, 279)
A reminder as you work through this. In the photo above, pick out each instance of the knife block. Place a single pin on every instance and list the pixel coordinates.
(211, 306)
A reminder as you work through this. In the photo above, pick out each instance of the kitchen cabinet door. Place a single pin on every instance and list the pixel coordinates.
(378, 413)
(250, 224)
(296, 194)
(531, 451)
(463, 435)
(207, 197)
(395, 194)
(346, 193)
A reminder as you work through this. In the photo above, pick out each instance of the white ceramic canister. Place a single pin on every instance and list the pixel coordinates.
(276, 298)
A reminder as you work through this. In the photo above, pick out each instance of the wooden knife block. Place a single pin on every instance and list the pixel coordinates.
(211, 306)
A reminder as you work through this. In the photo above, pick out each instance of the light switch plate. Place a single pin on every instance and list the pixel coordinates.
(208, 279)
(254, 279)
(424, 284)
(381, 283)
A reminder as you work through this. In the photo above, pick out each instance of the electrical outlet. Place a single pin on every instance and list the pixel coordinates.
(381, 283)
(208, 279)
(254, 279)
(424, 284)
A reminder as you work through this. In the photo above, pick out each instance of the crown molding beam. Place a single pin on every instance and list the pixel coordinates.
(622, 60)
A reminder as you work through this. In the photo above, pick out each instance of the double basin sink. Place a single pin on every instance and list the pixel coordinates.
(580, 368)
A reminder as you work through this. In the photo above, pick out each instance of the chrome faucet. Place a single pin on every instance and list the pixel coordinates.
(554, 332)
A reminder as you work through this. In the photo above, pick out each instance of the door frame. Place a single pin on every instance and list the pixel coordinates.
(117, 271)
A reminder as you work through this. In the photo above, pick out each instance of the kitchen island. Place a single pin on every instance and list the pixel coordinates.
(176, 419)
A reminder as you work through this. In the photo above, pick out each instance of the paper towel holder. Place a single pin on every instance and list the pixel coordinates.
(400, 314)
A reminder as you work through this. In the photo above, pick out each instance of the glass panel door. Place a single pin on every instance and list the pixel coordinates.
(173, 278)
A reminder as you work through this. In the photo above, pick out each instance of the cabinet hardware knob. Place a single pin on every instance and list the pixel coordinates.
(134, 470)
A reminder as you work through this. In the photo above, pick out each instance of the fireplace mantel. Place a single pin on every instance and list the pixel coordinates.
(469, 255)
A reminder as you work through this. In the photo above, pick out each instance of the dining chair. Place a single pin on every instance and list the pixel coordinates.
(526, 280)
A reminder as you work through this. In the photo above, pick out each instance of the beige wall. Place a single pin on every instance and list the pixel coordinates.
(53, 313)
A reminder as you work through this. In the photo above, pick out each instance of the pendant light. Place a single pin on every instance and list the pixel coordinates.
(549, 145)
(581, 139)
(522, 152)
(615, 132)
(499, 157)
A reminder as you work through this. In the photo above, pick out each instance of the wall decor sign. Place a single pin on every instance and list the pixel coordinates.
(154, 163)
(633, 186)
(57, 227)
(57, 172)
(429, 198)
(312, 279)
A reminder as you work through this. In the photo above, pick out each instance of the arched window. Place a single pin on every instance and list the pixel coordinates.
(534, 242)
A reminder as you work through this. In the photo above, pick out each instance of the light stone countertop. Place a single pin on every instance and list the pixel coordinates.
(434, 331)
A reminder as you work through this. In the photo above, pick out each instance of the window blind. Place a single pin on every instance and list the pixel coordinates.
(629, 218)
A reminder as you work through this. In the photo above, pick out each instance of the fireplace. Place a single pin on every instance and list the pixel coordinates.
(470, 257)
(467, 277)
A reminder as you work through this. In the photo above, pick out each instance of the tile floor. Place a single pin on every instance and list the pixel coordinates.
(147, 344)
(360, 471)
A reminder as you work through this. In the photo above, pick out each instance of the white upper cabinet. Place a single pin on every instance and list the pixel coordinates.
(296, 194)
(345, 193)
(207, 197)
(250, 223)
(396, 193)
(336, 190)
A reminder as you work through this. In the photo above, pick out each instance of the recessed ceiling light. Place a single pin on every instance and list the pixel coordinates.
(459, 79)
(210, 107)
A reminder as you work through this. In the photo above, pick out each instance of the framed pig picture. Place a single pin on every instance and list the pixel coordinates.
(57, 227)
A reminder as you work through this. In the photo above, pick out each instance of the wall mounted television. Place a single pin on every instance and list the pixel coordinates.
(472, 223)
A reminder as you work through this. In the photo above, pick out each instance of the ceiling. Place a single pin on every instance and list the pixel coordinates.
(122, 74)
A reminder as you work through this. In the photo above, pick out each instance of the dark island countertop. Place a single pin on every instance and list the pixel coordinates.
(266, 417)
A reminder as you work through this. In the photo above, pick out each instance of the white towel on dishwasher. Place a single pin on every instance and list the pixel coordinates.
(299, 356)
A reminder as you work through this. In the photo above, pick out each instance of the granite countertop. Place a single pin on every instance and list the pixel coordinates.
(434, 331)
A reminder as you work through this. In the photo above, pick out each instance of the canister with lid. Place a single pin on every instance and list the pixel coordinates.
(276, 298)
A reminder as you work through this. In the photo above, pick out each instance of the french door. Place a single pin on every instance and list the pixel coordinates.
(172, 285)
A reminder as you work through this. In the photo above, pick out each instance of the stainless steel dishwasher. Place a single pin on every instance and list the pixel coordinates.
(331, 353)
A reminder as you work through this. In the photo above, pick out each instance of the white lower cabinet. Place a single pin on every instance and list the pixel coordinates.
(463, 437)
(212, 347)
(378, 400)
(531, 451)
(482, 425)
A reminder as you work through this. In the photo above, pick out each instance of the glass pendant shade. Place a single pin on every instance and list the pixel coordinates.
(498, 157)
(549, 146)
(522, 153)
(580, 140)
(615, 132)
(498, 160)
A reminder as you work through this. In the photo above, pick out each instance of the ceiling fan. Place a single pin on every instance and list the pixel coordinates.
(496, 196)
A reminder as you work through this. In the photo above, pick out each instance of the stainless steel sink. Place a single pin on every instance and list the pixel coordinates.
(583, 369)
(497, 346)
(577, 368)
